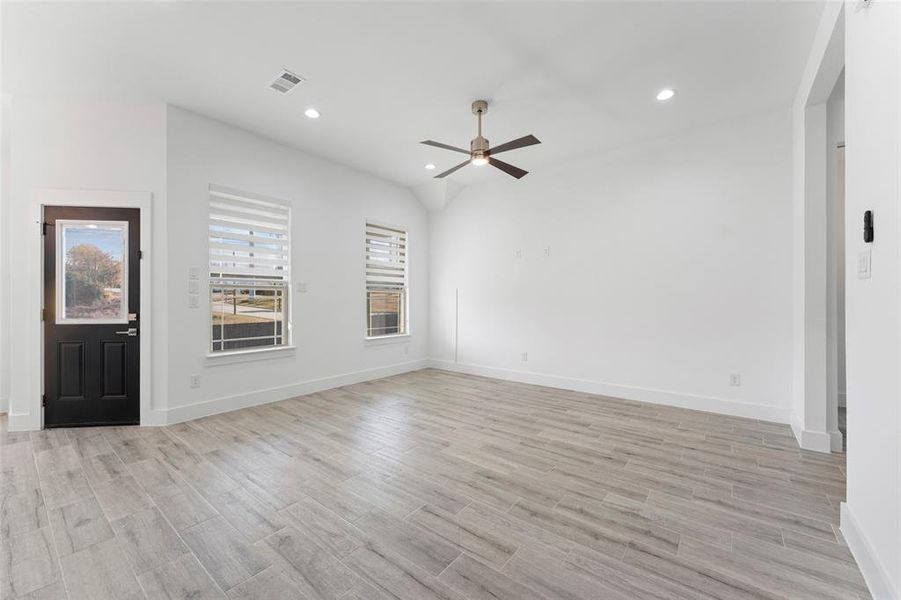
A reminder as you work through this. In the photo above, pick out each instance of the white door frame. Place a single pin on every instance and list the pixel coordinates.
(40, 198)
(810, 156)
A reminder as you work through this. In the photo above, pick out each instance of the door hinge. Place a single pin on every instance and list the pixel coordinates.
(44, 226)
(43, 399)
(140, 254)
(43, 314)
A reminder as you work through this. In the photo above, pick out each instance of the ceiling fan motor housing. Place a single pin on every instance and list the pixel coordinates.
(478, 147)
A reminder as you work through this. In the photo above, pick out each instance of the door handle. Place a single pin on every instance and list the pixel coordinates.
(130, 332)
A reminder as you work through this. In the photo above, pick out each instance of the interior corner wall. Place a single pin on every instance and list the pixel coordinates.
(330, 204)
(653, 272)
(78, 145)
(871, 518)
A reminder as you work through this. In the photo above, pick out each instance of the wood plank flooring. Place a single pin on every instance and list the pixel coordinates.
(428, 485)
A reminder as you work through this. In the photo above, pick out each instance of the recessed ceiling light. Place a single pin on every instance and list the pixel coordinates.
(430, 167)
(665, 94)
(311, 113)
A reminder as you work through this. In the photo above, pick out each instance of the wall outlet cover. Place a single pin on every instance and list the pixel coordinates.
(735, 379)
(195, 381)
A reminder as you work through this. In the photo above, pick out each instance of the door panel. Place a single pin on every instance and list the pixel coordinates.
(91, 311)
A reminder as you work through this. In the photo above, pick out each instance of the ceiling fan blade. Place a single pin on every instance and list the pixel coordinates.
(507, 168)
(528, 140)
(452, 169)
(445, 146)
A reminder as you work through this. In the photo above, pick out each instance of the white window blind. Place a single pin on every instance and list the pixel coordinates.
(249, 239)
(386, 258)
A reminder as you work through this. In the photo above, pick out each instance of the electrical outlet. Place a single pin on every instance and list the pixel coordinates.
(735, 379)
(525, 357)
(301, 287)
(517, 253)
(547, 250)
(195, 381)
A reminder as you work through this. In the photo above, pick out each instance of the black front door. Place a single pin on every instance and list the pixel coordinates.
(91, 307)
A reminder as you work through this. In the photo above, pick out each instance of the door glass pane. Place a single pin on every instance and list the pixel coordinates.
(92, 271)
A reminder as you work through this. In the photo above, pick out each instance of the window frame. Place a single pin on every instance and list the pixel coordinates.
(391, 337)
(252, 352)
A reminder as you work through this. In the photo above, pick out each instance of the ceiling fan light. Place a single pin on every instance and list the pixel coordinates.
(479, 161)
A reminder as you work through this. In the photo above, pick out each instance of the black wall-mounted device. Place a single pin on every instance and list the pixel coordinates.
(868, 226)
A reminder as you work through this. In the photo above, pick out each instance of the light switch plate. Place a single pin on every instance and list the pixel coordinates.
(193, 286)
(193, 273)
(193, 300)
(864, 262)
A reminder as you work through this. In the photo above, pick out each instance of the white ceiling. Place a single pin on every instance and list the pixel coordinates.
(580, 76)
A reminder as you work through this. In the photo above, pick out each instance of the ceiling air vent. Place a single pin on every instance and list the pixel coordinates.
(285, 82)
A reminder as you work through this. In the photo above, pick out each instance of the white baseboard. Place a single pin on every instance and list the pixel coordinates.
(836, 440)
(816, 441)
(23, 422)
(704, 403)
(881, 587)
(238, 401)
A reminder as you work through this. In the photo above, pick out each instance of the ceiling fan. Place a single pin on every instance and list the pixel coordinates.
(480, 153)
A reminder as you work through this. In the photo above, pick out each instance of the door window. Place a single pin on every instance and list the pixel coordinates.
(91, 272)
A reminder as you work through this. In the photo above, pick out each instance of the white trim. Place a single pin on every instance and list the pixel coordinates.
(874, 573)
(817, 441)
(33, 419)
(396, 338)
(230, 357)
(837, 440)
(776, 414)
(284, 392)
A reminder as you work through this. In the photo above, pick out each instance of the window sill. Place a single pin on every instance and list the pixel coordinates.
(387, 339)
(239, 356)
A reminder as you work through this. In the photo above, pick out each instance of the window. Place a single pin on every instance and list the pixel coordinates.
(386, 281)
(249, 271)
(91, 266)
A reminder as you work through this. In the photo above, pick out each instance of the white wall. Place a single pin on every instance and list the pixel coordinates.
(669, 269)
(69, 145)
(175, 154)
(835, 257)
(871, 519)
(330, 205)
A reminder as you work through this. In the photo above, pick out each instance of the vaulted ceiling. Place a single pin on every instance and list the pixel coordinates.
(580, 76)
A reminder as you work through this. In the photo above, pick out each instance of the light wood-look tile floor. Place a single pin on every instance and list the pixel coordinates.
(426, 485)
